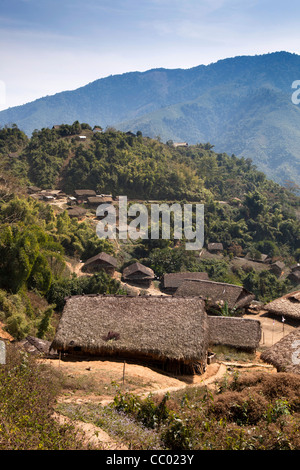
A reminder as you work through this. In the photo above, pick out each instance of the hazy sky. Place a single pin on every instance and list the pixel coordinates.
(47, 46)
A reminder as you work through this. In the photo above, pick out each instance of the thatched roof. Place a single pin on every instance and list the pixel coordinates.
(243, 333)
(104, 257)
(138, 270)
(216, 293)
(285, 354)
(158, 327)
(296, 267)
(4, 334)
(84, 192)
(174, 280)
(215, 247)
(36, 346)
(288, 306)
(95, 200)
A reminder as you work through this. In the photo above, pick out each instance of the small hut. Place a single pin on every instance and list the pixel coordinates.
(76, 212)
(83, 194)
(277, 268)
(240, 333)
(161, 331)
(217, 294)
(294, 277)
(95, 201)
(102, 261)
(171, 281)
(287, 306)
(285, 354)
(139, 274)
(4, 335)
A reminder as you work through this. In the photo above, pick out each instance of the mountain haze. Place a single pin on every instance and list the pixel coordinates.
(241, 105)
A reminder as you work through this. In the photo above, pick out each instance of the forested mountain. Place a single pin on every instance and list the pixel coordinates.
(241, 105)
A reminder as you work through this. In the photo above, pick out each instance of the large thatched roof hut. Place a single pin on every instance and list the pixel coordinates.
(285, 354)
(287, 306)
(137, 273)
(217, 294)
(240, 333)
(163, 331)
(101, 261)
(171, 281)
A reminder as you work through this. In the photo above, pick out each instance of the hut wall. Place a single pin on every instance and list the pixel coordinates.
(241, 333)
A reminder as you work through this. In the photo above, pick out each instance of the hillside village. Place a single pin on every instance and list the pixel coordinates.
(147, 317)
(230, 315)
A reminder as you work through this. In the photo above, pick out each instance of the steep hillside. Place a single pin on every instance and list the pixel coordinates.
(241, 105)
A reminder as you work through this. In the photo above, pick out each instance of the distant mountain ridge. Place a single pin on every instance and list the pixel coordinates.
(241, 105)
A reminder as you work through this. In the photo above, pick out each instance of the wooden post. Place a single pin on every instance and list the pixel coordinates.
(124, 373)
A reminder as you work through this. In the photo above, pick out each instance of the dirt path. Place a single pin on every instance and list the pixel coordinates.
(141, 380)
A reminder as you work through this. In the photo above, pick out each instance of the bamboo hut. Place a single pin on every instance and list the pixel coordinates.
(172, 281)
(287, 306)
(102, 261)
(240, 333)
(285, 354)
(139, 274)
(166, 332)
(217, 294)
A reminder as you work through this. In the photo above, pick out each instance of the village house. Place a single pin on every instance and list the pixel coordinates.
(285, 354)
(166, 332)
(83, 194)
(287, 306)
(294, 275)
(171, 281)
(95, 201)
(139, 274)
(217, 294)
(277, 268)
(76, 212)
(180, 144)
(33, 189)
(101, 262)
(261, 258)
